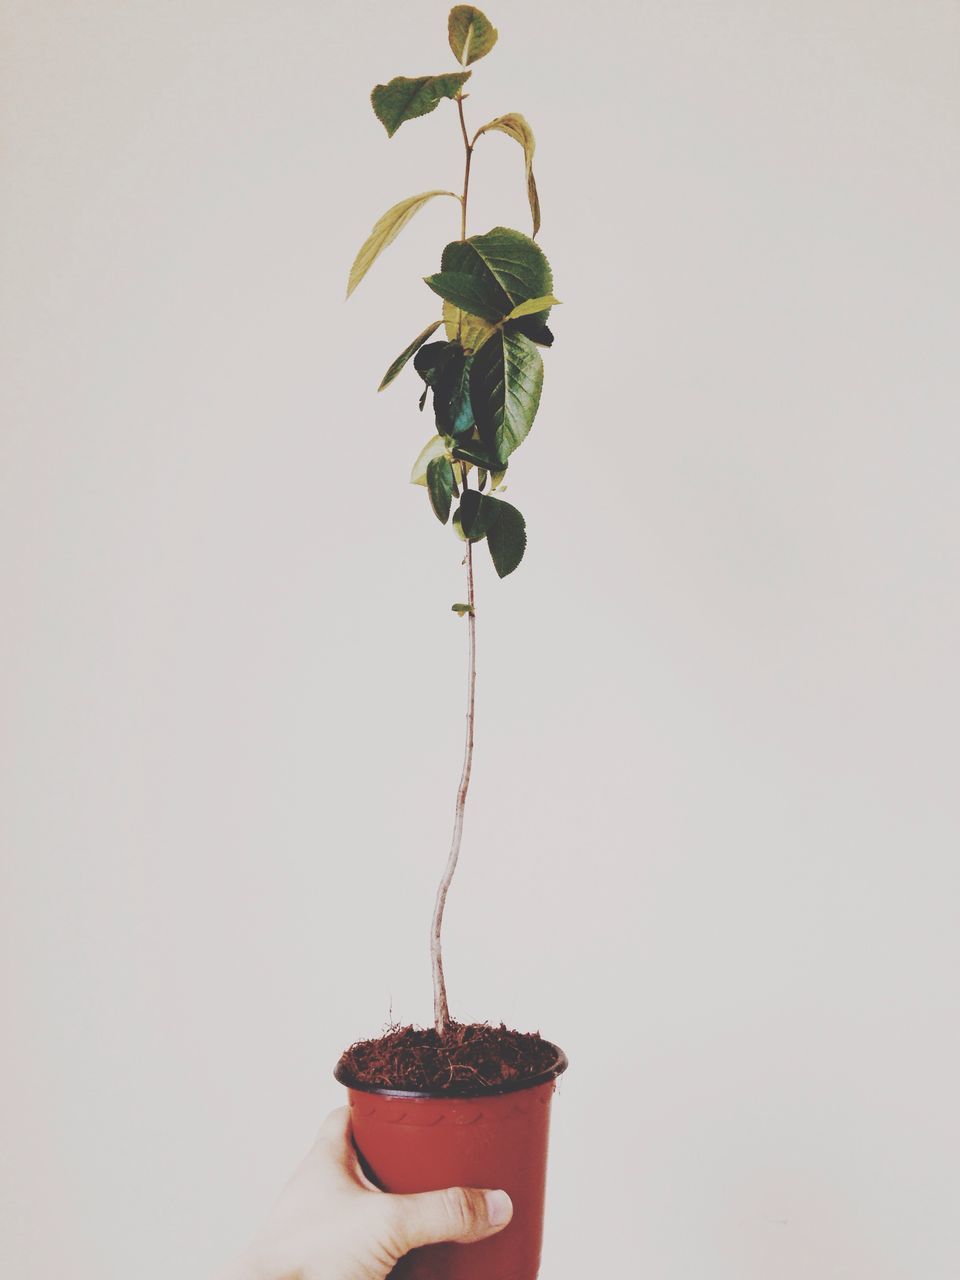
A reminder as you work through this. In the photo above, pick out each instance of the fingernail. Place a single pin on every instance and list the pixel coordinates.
(499, 1208)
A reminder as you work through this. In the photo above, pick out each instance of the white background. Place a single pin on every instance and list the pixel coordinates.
(712, 842)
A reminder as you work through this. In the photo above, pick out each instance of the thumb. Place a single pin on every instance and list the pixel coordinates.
(459, 1213)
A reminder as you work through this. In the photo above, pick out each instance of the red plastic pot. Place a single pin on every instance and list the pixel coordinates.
(494, 1138)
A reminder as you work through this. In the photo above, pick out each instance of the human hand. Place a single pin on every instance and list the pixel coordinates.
(332, 1223)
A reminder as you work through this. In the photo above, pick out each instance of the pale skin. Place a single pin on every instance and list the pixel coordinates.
(332, 1223)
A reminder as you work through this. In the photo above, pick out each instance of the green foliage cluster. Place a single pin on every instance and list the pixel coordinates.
(486, 373)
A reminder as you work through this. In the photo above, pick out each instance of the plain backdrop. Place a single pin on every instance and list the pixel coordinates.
(712, 844)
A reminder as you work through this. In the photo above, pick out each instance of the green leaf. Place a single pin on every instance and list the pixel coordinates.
(511, 266)
(385, 231)
(470, 293)
(451, 394)
(505, 385)
(506, 271)
(471, 33)
(462, 609)
(470, 331)
(434, 448)
(515, 126)
(481, 516)
(468, 518)
(534, 328)
(532, 307)
(440, 487)
(405, 99)
(407, 352)
(496, 478)
(506, 535)
(476, 452)
(445, 368)
(430, 360)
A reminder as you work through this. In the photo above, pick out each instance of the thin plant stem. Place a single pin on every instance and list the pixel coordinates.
(441, 1009)
(468, 152)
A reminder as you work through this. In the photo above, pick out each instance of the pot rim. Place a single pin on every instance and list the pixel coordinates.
(558, 1067)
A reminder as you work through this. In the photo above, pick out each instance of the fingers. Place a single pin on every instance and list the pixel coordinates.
(457, 1214)
(331, 1157)
(332, 1145)
(335, 1130)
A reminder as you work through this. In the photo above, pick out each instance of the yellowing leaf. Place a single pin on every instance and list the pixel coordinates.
(434, 448)
(532, 306)
(385, 231)
(471, 330)
(516, 127)
(406, 353)
(471, 34)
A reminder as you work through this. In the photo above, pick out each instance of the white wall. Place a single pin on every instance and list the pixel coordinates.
(712, 846)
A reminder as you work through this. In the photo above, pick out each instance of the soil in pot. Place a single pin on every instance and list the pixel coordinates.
(470, 1058)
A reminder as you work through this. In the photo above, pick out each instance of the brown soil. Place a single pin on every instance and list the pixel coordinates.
(472, 1057)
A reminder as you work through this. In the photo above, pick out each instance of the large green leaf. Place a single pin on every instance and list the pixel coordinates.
(513, 267)
(406, 353)
(385, 231)
(515, 126)
(440, 487)
(405, 98)
(477, 295)
(505, 385)
(471, 33)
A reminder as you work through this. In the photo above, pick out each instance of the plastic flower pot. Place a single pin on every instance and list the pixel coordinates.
(491, 1138)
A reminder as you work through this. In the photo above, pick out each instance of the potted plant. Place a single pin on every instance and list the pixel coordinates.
(455, 1104)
